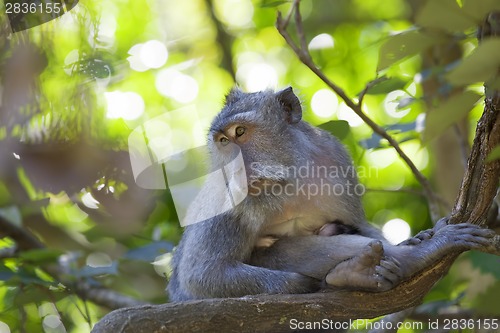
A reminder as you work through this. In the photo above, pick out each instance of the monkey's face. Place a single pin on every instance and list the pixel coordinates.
(263, 127)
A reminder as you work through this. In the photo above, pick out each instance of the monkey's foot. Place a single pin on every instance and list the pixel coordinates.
(370, 270)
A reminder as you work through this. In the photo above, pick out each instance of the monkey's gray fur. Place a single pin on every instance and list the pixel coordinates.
(276, 243)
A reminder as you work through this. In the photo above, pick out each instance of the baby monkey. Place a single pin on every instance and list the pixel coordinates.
(301, 187)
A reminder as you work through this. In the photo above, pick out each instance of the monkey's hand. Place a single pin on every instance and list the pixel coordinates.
(446, 239)
(370, 270)
(425, 234)
(418, 238)
(461, 236)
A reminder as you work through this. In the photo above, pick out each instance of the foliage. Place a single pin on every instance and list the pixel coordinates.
(75, 89)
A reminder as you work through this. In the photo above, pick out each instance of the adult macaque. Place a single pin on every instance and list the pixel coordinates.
(301, 223)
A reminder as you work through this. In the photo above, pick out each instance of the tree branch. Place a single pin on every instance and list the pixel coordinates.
(224, 40)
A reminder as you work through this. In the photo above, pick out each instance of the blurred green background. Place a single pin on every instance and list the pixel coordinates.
(73, 90)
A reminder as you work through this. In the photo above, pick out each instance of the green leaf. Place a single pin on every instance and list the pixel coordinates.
(338, 128)
(444, 15)
(448, 113)
(480, 66)
(478, 9)
(12, 214)
(386, 85)
(28, 276)
(5, 273)
(403, 45)
(494, 154)
(40, 256)
(33, 294)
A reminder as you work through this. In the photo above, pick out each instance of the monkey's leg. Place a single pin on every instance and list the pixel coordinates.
(311, 255)
(348, 255)
(347, 261)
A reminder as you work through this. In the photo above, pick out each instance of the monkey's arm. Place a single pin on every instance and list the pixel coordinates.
(354, 261)
(209, 263)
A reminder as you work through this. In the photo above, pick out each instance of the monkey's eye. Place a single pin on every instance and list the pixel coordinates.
(224, 141)
(240, 130)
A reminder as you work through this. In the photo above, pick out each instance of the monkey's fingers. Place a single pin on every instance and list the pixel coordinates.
(464, 236)
(418, 238)
(441, 223)
(389, 270)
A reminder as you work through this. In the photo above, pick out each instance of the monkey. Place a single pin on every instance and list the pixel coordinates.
(281, 238)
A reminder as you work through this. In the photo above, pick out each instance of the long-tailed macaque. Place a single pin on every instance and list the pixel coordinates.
(301, 223)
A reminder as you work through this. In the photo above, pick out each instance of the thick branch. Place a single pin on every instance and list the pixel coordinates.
(24, 240)
(272, 312)
(480, 182)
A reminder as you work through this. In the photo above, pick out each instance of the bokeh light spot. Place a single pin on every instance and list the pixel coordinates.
(126, 105)
(396, 230)
(324, 103)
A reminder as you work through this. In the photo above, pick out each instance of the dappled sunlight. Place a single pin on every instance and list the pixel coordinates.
(98, 259)
(126, 105)
(89, 201)
(153, 54)
(394, 104)
(177, 85)
(419, 153)
(321, 41)
(144, 56)
(235, 13)
(324, 103)
(257, 76)
(345, 113)
(381, 158)
(396, 230)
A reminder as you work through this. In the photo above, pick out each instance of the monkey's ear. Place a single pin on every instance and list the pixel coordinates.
(291, 105)
(234, 95)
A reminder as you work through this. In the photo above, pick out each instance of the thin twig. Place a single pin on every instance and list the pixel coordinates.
(368, 86)
(306, 59)
(300, 30)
